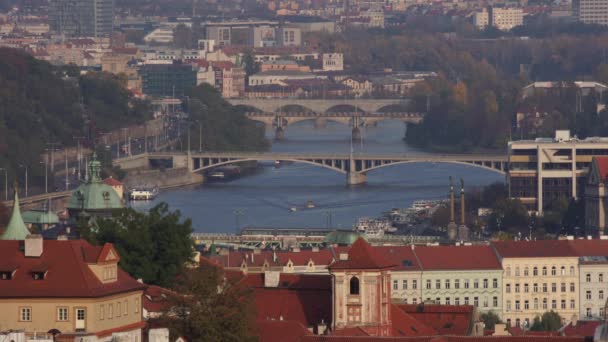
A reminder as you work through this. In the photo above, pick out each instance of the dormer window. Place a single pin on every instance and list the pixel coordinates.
(38, 275)
(4, 275)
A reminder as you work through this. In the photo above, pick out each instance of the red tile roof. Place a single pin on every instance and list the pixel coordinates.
(362, 255)
(111, 181)
(68, 274)
(602, 163)
(589, 247)
(445, 319)
(402, 256)
(312, 338)
(405, 324)
(156, 299)
(457, 258)
(534, 249)
(281, 331)
(582, 328)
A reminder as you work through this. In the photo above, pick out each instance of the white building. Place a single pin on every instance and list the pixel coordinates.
(502, 18)
(162, 35)
(593, 273)
(277, 76)
(333, 61)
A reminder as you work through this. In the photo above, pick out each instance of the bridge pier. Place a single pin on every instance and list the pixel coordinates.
(356, 134)
(279, 134)
(356, 178)
(320, 122)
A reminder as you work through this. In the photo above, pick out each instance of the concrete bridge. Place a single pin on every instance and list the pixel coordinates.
(355, 167)
(319, 105)
(280, 120)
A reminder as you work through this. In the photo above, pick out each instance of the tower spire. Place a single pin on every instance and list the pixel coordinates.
(16, 229)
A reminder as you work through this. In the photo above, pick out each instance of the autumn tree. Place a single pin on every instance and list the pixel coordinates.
(208, 306)
(549, 321)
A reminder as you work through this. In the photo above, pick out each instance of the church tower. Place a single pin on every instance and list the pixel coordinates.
(362, 291)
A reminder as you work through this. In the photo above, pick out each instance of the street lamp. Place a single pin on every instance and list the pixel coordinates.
(5, 183)
(46, 175)
(25, 167)
(200, 135)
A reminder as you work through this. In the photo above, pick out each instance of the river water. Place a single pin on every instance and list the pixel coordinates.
(265, 198)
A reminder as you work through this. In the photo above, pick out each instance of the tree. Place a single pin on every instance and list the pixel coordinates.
(154, 246)
(207, 306)
(550, 321)
(490, 319)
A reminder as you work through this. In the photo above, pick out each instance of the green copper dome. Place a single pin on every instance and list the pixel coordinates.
(94, 194)
(16, 229)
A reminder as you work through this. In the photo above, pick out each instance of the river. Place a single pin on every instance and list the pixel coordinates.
(265, 198)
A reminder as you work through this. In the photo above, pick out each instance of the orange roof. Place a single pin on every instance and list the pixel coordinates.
(457, 258)
(280, 330)
(111, 181)
(362, 255)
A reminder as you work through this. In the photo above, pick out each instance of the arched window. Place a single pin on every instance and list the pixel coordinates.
(535, 271)
(571, 270)
(354, 286)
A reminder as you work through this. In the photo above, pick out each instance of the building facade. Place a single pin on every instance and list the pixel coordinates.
(593, 279)
(502, 18)
(547, 169)
(84, 18)
(167, 80)
(590, 11)
(596, 195)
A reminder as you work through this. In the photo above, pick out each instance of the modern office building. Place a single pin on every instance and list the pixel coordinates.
(82, 18)
(167, 80)
(547, 169)
(590, 11)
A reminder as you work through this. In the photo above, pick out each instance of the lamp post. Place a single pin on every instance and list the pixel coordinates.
(5, 183)
(46, 174)
(200, 135)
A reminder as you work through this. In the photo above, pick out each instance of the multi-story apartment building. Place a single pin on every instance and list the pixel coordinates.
(501, 18)
(593, 274)
(544, 170)
(538, 276)
(461, 275)
(406, 277)
(84, 18)
(590, 11)
(69, 286)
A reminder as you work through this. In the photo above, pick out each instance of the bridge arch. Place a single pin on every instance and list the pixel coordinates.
(295, 160)
(486, 167)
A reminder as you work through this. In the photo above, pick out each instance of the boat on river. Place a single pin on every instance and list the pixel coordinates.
(143, 194)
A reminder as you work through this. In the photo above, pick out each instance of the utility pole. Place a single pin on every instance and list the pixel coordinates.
(67, 181)
(52, 150)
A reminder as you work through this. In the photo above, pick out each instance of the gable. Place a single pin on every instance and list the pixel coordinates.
(108, 254)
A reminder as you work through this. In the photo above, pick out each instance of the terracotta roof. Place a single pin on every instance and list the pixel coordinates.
(281, 331)
(581, 329)
(534, 249)
(156, 298)
(602, 167)
(111, 181)
(361, 255)
(402, 256)
(313, 338)
(445, 319)
(457, 258)
(405, 324)
(68, 274)
(589, 247)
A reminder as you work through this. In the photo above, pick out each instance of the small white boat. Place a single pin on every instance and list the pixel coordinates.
(145, 194)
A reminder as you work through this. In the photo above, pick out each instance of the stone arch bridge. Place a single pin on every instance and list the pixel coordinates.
(355, 167)
(319, 105)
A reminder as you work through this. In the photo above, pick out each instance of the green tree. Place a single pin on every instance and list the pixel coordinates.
(153, 246)
(511, 215)
(208, 306)
(550, 321)
(490, 319)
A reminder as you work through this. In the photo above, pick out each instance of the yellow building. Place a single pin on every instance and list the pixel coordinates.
(538, 276)
(70, 286)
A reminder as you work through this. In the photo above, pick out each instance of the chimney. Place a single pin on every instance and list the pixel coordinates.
(33, 246)
(343, 256)
(271, 278)
(62, 237)
(321, 328)
(315, 249)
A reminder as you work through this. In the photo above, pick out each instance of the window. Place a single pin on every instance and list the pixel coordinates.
(102, 310)
(588, 312)
(526, 272)
(535, 288)
(508, 305)
(572, 304)
(404, 300)
(457, 301)
(526, 288)
(136, 305)
(553, 304)
(571, 270)
(535, 271)
(414, 300)
(25, 314)
(545, 287)
(475, 284)
(126, 307)
(62, 314)
(600, 277)
(563, 304)
(466, 284)
(553, 287)
(553, 271)
(516, 288)
(485, 283)
(495, 283)
(414, 284)
(526, 305)
(476, 301)
(395, 285)
(428, 284)
(118, 311)
(485, 302)
(600, 295)
(517, 271)
(571, 287)
(563, 270)
(110, 310)
(447, 300)
(466, 300)
(544, 303)
(354, 286)
(588, 277)
(404, 284)
(494, 301)
(508, 288)
(437, 300)
(437, 284)
(517, 305)
(563, 287)
(508, 271)
(535, 303)
(457, 283)
(447, 283)
(588, 295)
(544, 270)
